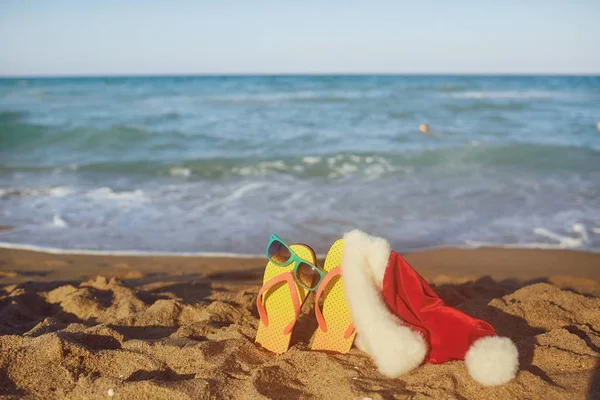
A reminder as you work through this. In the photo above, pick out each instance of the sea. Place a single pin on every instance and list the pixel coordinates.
(216, 164)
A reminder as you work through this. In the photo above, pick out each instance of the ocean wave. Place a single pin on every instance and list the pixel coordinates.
(311, 160)
(402, 115)
(333, 166)
(106, 193)
(300, 96)
(16, 134)
(532, 157)
(103, 193)
(565, 241)
(182, 172)
(19, 134)
(465, 156)
(236, 194)
(451, 88)
(557, 241)
(10, 117)
(483, 106)
(58, 191)
(510, 94)
(307, 167)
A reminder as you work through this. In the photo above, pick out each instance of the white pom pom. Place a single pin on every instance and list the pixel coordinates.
(492, 360)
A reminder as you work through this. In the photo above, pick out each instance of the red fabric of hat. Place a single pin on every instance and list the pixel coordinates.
(448, 331)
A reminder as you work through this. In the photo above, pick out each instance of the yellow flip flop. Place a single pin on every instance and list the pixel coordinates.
(279, 305)
(336, 330)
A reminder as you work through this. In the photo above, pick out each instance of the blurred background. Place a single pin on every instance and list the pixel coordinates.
(200, 127)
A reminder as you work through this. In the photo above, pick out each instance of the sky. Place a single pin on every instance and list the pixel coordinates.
(115, 37)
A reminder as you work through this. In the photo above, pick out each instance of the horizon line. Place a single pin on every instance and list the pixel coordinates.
(293, 74)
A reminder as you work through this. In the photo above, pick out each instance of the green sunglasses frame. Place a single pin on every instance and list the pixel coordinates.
(294, 258)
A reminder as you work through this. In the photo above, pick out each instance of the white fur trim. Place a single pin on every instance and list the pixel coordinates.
(395, 348)
(492, 360)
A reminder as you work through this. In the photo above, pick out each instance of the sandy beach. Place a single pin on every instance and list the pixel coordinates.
(140, 327)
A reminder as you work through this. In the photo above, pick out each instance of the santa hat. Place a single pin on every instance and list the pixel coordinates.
(401, 322)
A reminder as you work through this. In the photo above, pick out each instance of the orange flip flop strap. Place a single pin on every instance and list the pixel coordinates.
(322, 324)
(293, 293)
(349, 331)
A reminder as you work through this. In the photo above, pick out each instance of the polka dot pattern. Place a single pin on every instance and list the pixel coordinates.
(278, 304)
(335, 308)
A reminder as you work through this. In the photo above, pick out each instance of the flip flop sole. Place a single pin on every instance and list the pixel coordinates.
(278, 304)
(335, 308)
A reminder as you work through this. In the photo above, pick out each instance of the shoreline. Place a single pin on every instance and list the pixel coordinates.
(496, 262)
(472, 245)
(118, 253)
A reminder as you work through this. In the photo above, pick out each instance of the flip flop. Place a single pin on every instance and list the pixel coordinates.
(279, 305)
(336, 330)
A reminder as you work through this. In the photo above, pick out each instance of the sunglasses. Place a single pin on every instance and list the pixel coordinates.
(306, 274)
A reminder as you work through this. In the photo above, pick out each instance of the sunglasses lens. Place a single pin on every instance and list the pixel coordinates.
(307, 275)
(278, 252)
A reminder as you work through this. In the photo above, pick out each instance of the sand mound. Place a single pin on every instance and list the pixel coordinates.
(195, 340)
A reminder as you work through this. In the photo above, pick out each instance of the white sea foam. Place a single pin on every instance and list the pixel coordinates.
(339, 165)
(107, 193)
(58, 222)
(347, 168)
(178, 171)
(343, 170)
(532, 94)
(297, 195)
(346, 165)
(235, 195)
(375, 171)
(61, 191)
(55, 250)
(58, 191)
(242, 191)
(581, 229)
(261, 168)
(563, 241)
(534, 245)
(566, 242)
(311, 160)
(339, 157)
(246, 171)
